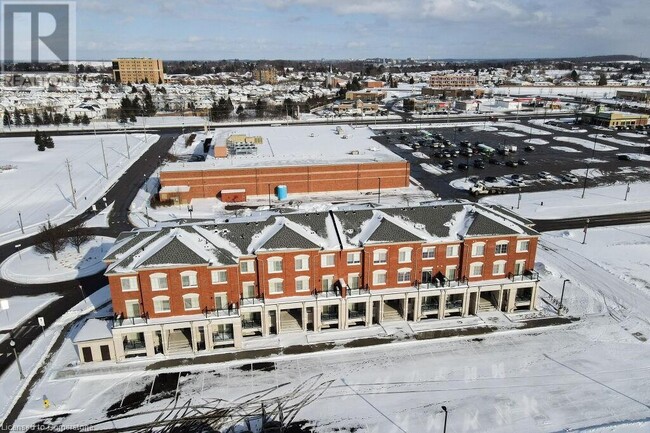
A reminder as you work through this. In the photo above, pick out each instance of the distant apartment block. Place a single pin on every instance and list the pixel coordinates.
(366, 95)
(138, 70)
(266, 75)
(453, 80)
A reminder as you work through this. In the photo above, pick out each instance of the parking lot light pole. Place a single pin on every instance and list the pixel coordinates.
(12, 343)
(444, 428)
(584, 238)
(559, 309)
(627, 191)
(519, 198)
(584, 185)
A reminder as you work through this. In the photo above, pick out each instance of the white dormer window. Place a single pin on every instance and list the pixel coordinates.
(158, 281)
(188, 279)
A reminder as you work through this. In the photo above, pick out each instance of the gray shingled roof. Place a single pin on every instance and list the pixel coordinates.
(135, 238)
(432, 217)
(286, 238)
(388, 231)
(240, 234)
(484, 226)
(316, 222)
(352, 220)
(174, 252)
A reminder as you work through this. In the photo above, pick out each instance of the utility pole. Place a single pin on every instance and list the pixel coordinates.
(22, 229)
(627, 191)
(584, 185)
(74, 195)
(584, 238)
(128, 150)
(104, 156)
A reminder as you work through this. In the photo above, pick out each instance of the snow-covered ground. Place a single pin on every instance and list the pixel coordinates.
(588, 376)
(434, 169)
(567, 203)
(606, 137)
(38, 186)
(30, 267)
(101, 218)
(588, 144)
(565, 149)
(36, 353)
(22, 308)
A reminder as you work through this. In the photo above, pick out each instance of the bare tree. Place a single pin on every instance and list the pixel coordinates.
(78, 235)
(50, 239)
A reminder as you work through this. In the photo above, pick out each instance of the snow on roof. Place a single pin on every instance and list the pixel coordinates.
(297, 146)
(94, 329)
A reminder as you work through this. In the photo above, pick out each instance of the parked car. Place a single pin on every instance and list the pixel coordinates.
(517, 182)
(479, 163)
(495, 161)
(529, 148)
(516, 177)
(569, 177)
(463, 166)
(624, 157)
(491, 179)
(511, 163)
(544, 175)
(522, 161)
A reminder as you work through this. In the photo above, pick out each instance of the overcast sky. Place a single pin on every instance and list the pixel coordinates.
(315, 29)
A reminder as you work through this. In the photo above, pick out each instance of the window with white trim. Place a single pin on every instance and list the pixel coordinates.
(523, 245)
(191, 302)
(501, 248)
(132, 308)
(379, 257)
(404, 275)
(354, 258)
(246, 267)
(451, 272)
(129, 284)
(276, 286)
(353, 281)
(220, 301)
(520, 267)
(326, 282)
(452, 250)
(188, 279)
(161, 304)
(405, 255)
(219, 276)
(499, 267)
(302, 262)
(476, 269)
(478, 249)
(302, 284)
(158, 281)
(275, 264)
(379, 277)
(327, 260)
(428, 253)
(248, 289)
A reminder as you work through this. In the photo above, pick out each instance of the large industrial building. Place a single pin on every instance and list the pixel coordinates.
(214, 286)
(257, 161)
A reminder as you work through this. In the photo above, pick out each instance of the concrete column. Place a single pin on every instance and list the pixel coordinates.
(380, 319)
(207, 334)
(405, 307)
(237, 334)
(343, 314)
(265, 322)
(119, 346)
(165, 340)
(149, 343)
(500, 298)
(442, 304)
(466, 300)
(278, 320)
(303, 322)
(368, 312)
(318, 324)
(417, 307)
(533, 297)
(511, 300)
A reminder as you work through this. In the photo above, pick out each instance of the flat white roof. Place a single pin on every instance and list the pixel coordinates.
(296, 146)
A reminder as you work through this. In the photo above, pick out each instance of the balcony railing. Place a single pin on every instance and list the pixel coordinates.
(251, 300)
(358, 291)
(356, 314)
(134, 345)
(454, 304)
(528, 275)
(324, 317)
(221, 312)
(439, 284)
(250, 324)
(222, 336)
(331, 293)
(430, 306)
(521, 299)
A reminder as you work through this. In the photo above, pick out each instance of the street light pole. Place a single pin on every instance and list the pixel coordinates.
(627, 191)
(22, 229)
(559, 309)
(519, 198)
(584, 185)
(12, 343)
(444, 428)
(584, 238)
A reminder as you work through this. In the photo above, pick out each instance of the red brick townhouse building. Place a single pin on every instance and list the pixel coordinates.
(197, 288)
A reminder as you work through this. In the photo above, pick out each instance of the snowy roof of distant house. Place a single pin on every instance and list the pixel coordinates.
(222, 244)
(297, 146)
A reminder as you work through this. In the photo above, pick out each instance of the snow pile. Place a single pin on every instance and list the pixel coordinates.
(434, 169)
(592, 173)
(420, 155)
(586, 143)
(511, 134)
(618, 140)
(637, 156)
(565, 149)
(536, 141)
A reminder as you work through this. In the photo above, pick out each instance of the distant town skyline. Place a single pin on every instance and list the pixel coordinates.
(310, 29)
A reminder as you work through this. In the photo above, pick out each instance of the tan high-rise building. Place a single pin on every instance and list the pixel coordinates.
(266, 76)
(138, 70)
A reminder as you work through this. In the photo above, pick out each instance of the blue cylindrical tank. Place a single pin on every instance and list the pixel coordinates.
(282, 192)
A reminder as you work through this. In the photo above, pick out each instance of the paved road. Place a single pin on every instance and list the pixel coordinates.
(594, 221)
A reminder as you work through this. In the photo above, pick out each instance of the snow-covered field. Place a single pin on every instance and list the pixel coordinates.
(589, 376)
(30, 267)
(567, 203)
(38, 185)
(22, 308)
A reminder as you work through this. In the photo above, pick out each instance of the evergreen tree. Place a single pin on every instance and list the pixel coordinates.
(76, 121)
(65, 119)
(58, 118)
(574, 75)
(149, 106)
(6, 119)
(47, 118)
(48, 142)
(18, 120)
(38, 138)
(260, 108)
(26, 120)
(125, 110)
(214, 112)
(38, 120)
(85, 120)
(602, 81)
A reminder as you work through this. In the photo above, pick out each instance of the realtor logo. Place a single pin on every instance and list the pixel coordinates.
(38, 31)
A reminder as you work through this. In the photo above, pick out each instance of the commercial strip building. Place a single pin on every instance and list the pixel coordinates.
(634, 95)
(307, 159)
(138, 70)
(614, 119)
(200, 288)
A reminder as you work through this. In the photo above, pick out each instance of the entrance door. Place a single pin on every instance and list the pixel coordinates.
(106, 353)
(88, 354)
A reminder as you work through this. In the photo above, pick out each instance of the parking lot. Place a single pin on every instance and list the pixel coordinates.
(440, 155)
